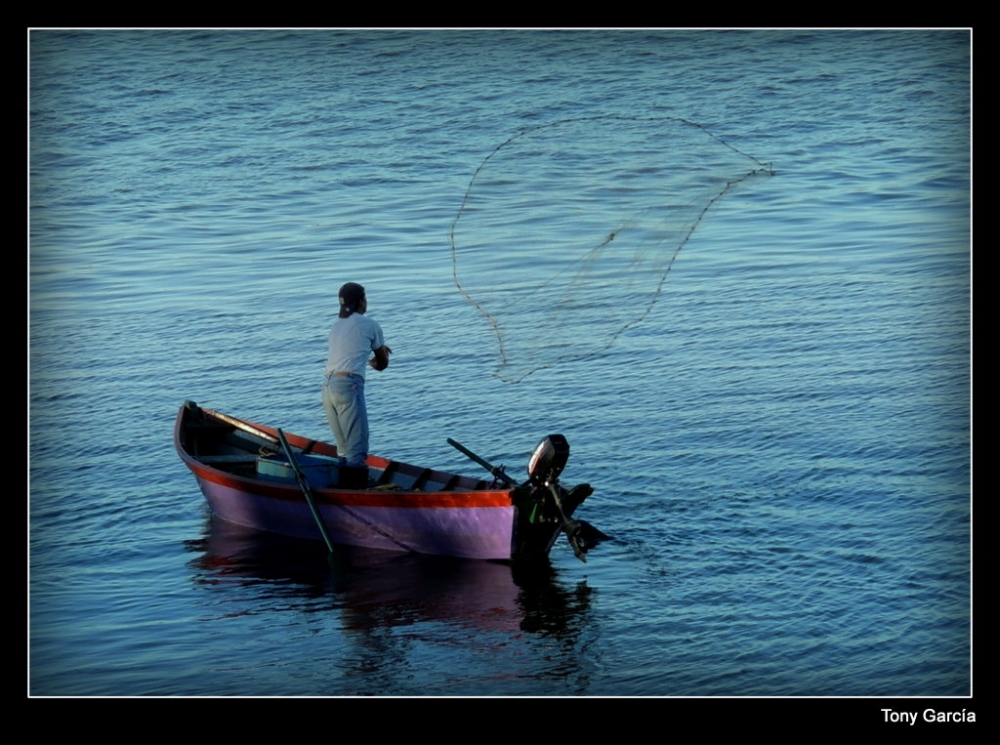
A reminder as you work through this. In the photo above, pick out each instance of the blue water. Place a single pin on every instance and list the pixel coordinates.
(780, 448)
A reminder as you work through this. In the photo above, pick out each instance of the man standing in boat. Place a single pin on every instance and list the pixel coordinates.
(352, 339)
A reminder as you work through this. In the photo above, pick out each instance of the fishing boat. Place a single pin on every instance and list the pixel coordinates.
(263, 478)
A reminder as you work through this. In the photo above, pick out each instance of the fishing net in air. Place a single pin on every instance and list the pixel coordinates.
(568, 230)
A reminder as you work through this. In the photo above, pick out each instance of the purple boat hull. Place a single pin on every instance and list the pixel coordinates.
(466, 532)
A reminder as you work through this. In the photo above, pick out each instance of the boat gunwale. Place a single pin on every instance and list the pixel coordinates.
(395, 498)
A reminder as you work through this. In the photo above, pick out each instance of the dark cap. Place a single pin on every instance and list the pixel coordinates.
(350, 295)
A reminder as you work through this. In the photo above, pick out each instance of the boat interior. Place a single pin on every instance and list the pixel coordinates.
(234, 446)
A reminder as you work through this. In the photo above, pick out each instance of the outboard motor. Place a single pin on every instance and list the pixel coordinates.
(544, 467)
(555, 503)
(548, 460)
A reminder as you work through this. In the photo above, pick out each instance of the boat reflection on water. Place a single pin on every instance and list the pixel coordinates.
(371, 588)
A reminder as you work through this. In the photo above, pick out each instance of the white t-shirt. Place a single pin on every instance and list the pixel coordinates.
(351, 342)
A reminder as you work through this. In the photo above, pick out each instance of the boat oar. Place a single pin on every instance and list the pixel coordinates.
(306, 491)
(497, 471)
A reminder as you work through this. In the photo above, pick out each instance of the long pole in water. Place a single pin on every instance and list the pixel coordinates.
(306, 491)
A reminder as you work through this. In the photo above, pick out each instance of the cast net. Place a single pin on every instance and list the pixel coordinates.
(568, 230)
